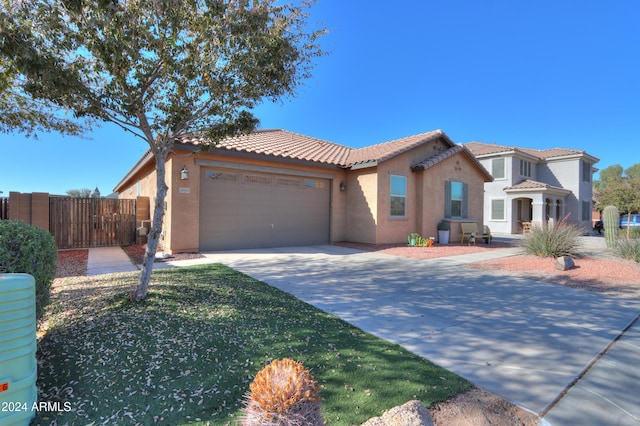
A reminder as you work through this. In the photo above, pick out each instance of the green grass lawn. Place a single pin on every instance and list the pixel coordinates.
(188, 353)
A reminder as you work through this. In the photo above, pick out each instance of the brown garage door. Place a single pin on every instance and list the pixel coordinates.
(244, 209)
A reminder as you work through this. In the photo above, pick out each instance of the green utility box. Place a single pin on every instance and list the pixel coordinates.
(18, 368)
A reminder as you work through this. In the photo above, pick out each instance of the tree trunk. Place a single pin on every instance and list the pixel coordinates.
(156, 228)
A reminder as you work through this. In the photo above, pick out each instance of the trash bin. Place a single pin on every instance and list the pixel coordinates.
(18, 368)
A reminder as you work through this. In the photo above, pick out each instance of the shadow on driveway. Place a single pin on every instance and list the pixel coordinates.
(523, 340)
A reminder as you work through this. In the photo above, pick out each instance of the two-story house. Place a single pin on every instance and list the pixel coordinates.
(534, 186)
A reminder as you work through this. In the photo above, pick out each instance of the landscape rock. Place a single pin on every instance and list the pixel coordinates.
(564, 263)
(413, 413)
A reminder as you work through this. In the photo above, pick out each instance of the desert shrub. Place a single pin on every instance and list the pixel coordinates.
(283, 394)
(634, 232)
(559, 239)
(31, 250)
(629, 249)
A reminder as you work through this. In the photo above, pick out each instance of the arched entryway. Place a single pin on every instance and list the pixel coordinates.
(523, 208)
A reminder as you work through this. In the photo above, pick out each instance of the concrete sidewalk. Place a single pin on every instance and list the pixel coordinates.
(105, 260)
(609, 392)
(559, 352)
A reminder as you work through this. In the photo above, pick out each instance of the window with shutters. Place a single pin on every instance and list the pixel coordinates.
(455, 199)
(586, 171)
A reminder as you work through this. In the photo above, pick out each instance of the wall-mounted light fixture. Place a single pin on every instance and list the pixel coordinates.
(184, 173)
(343, 186)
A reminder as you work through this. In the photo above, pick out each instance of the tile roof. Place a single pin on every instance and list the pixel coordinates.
(530, 184)
(386, 150)
(553, 152)
(285, 144)
(437, 158)
(280, 143)
(479, 149)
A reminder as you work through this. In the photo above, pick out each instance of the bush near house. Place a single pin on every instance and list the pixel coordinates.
(559, 239)
(634, 232)
(30, 250)
(629, 249)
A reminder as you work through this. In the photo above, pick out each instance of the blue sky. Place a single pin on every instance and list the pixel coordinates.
(538, 74)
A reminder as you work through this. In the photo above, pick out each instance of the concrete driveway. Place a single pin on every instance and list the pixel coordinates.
(523, 340)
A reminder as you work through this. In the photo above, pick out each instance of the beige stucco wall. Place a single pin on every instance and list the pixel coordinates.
(359, 214)
(339, 198)
(456, 168)
(181, 221)
(362, 205)
(425, 205)
(143, 184)
(425, 197)
(395, 230)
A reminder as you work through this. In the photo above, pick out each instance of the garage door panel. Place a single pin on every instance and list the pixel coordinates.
(244, 210)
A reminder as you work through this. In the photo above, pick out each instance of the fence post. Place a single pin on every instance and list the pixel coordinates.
(15, 199)
(40, 210)
(30, 208)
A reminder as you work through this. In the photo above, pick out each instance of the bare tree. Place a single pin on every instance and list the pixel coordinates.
(159, 69)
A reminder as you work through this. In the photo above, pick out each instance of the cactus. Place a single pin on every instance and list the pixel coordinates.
(285, 394)
(611, 218)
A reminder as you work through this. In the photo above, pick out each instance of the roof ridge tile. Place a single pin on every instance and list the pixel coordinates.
(483, 148)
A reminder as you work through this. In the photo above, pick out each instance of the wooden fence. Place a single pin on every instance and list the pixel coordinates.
(92, 222)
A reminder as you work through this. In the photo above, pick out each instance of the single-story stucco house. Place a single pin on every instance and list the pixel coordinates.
(277, 188)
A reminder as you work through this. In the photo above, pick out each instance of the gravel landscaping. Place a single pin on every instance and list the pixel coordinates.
(603, 274)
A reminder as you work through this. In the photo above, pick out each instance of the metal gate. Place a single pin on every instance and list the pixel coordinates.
(92, 222)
